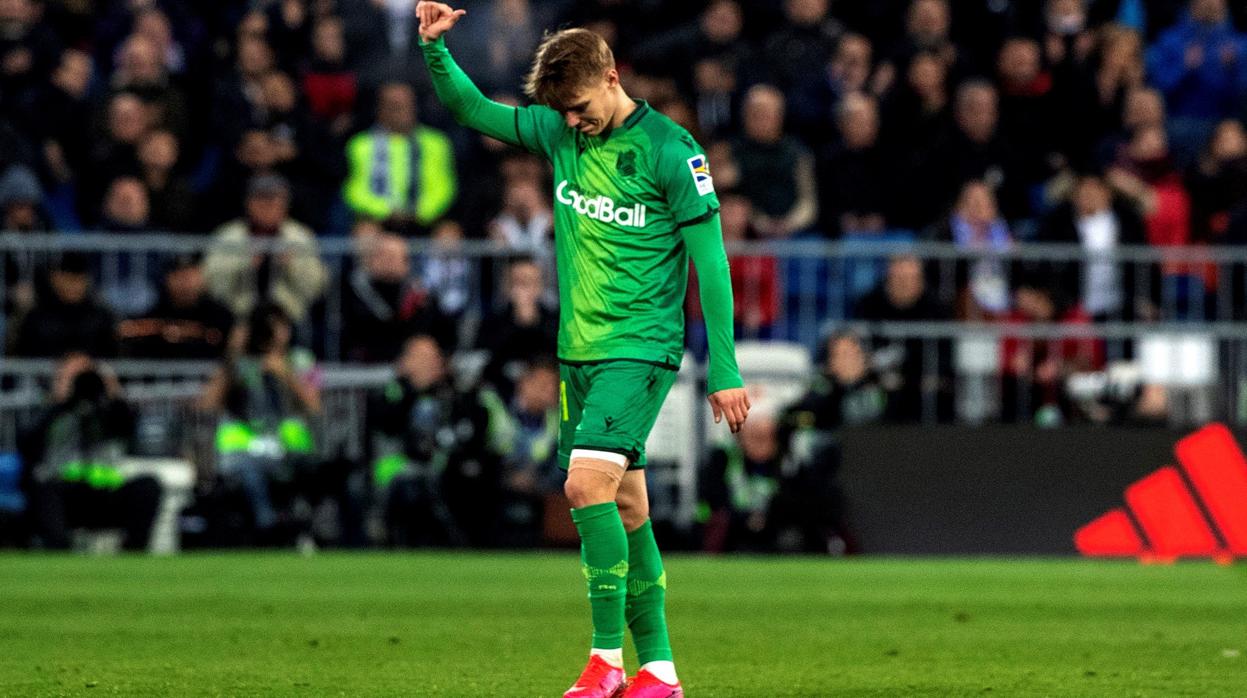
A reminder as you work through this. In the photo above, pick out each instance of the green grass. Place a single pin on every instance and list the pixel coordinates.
(516, 625)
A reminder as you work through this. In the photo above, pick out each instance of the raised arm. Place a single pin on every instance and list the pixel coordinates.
(526, 127)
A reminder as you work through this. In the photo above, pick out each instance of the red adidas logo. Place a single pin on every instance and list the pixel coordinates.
(1170, 519)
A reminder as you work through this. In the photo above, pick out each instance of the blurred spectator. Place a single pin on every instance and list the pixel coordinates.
(185, 323)
(304, 152)
(1218, 182)
(812, 103)
(916, 112)
(1201, 64)
(927, 27)
(21, 201)
(776, 171)
(29, 50)
(116, 155)
(755, 278)
(738, 487)
(238, 99)
(66, 316)
(1034, 370)
(807, 38)
(290, 276)
(141, 71)
(384, 304)
(447, 273)
(524, 328)
(1146, 175)
(173, 202)
(1101, 224)
(74, 450)
(974, 149)
(265, 394)
(328, 83)
(381, 184)
(530, 452)
(715, 34)
(1028, 117)
(526, 222)
(854, 176)
(499, 45)
(1119, 73)
(847, 392)
(914, 366)
(715, 98)
(64, 109)
(436, 474)
(126, 208)
(976, 225)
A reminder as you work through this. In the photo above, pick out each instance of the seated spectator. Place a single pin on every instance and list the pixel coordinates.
(384, 304)
(1119, 74)
(917, 111)
(126, 207)
(915, 367)
(521, 330)
(1028, 117)
(928, 25)
(381, 184)
(847, 392)
(291, 276)
(529, 470)
(975, 148)
(74, 450)
(808, 38)
(447, 273)
(976, 224)
(1034, 370)
(715, 98)
(328, 83)
(1218, 182)
(173, 202)
(436, 475)
(265, 395)
(64, 107)
(1101, 224)
(854, 176)
(776, 171)
(1145, 174)
(66, 316)
(185, 323)
(1201, 64)
(304, 152)
(526, 222)
(127, 122)
(21, 201)
(141, 71)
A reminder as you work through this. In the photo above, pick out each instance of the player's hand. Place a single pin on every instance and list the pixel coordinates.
(436, 18)
(733, 404)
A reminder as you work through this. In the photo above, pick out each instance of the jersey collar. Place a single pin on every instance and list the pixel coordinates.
(642, 108)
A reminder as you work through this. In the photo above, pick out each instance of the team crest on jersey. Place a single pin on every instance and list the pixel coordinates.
(625, 165)
(700, 168)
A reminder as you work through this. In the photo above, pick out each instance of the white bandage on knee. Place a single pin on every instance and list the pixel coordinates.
(610, 456)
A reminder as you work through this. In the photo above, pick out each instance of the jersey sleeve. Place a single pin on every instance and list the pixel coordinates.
(536, 128)
(684, 176)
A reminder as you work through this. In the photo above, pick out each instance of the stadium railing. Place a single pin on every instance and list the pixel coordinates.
(1182, 334)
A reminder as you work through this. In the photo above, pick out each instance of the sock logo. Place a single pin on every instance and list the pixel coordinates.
(1163, 518)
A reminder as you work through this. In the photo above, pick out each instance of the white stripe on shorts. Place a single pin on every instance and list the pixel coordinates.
(617, 458)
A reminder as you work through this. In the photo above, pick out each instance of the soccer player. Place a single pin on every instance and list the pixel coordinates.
(633, 201)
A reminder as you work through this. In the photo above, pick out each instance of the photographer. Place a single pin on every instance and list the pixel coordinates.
(74, 449)
(265, 447)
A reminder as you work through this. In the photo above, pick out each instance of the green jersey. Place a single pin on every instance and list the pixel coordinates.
(629, 208)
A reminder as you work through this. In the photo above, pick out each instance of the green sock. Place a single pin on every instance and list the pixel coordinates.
(604, 559)
(647, 597)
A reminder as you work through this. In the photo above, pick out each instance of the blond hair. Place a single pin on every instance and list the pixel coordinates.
(567, 61)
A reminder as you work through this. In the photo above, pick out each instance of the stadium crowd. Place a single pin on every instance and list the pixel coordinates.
(985, 124)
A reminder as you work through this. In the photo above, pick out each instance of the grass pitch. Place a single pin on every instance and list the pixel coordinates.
(517, 625)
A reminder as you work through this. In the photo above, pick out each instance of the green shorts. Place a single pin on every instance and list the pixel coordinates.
(610, 406)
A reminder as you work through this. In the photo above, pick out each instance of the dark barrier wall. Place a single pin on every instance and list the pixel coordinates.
(989, 490)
